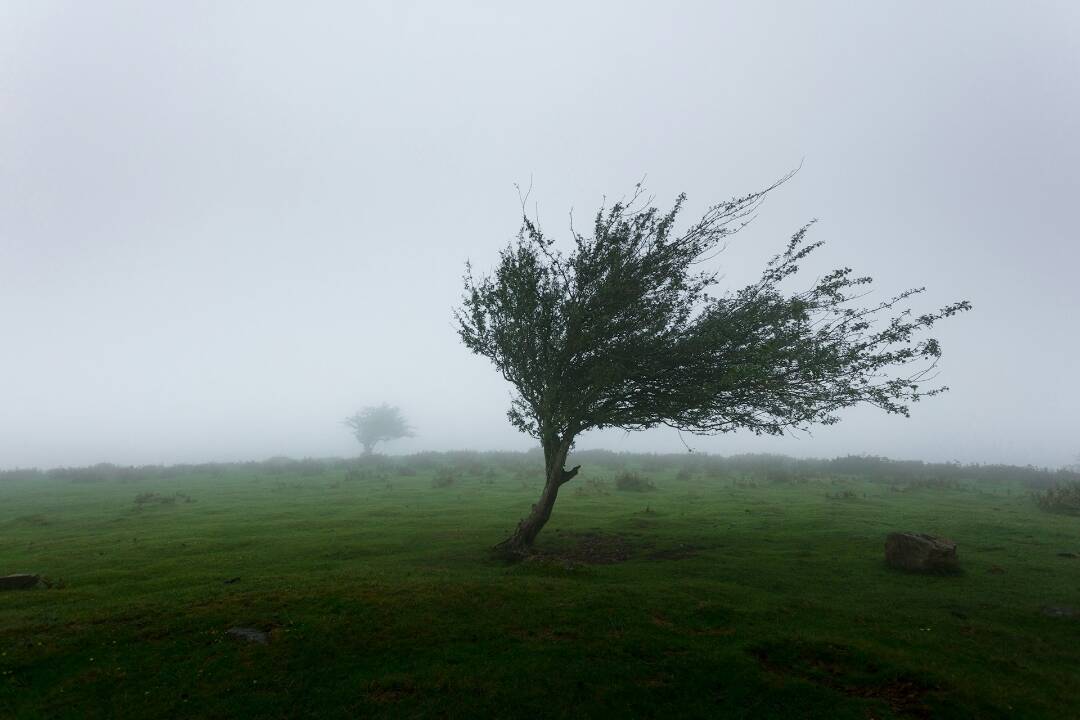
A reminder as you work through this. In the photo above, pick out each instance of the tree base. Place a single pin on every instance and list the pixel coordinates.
(511, 550)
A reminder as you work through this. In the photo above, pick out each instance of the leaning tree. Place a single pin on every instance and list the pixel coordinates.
(376, 424)
(619, 329)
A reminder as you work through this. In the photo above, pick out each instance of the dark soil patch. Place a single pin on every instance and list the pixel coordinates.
(593, 548)
(545, 634)
(21, 581)
(249, 634)
(849, 671)
(679, 552)
(31, 520)
(391, 689)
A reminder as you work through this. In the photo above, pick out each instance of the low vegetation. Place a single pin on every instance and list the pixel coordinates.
(1063, 498)
(737, 587)
(629, 481)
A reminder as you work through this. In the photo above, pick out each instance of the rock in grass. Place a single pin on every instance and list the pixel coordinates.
(249, 634)
(919, 552)
(19, 582)
(1060, 611)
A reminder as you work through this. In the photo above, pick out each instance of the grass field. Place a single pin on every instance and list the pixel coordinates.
(717, 594)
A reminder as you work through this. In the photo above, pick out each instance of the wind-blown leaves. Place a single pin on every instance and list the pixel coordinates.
(621, 331)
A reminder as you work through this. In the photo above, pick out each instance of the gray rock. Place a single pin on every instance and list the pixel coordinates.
(919, 552)
(19, 582)
(249, 634)
(1060, 611)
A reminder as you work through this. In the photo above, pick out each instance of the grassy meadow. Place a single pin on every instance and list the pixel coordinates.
(743, 588)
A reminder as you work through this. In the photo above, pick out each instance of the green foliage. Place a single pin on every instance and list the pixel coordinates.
(444, 477)
(380, 423)
(632, 482)
(1064, 498)
(622, 330)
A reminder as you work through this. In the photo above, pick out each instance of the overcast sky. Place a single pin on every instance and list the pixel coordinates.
(226, 226)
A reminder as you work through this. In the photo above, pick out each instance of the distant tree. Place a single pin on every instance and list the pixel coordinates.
(620, 330)
(376, 424)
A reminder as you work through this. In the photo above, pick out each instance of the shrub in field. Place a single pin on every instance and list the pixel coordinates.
(443, 478)
(632, 482)
(20, 474)
(1063, 498)
(153, 498)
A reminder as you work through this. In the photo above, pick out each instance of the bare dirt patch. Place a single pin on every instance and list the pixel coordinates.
(391, 689)
(599, 548)
(253, 635)
(848, 671)
(678, 552)
(37, 520)
(593, 548)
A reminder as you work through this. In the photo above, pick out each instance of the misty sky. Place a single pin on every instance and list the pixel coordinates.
(226, 226)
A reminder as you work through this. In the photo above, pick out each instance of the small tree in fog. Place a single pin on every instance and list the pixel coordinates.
(621, 330)
(376, 424)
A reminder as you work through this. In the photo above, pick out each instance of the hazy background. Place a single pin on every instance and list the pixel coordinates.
(226, 226)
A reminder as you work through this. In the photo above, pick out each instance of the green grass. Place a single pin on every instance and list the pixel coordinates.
(735, 599)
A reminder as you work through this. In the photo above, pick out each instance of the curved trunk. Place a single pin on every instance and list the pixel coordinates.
(556, 475)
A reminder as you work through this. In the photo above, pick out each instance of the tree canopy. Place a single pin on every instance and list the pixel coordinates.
(622, 329)
(376, 424)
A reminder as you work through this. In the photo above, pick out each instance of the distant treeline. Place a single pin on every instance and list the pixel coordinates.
(765, 467)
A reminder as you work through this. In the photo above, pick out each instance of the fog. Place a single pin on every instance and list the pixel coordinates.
(223, 229)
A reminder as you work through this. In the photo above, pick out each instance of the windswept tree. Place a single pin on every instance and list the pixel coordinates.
(376, 424)
(620, 329)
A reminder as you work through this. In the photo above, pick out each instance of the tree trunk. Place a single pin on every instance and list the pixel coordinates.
(520, 543)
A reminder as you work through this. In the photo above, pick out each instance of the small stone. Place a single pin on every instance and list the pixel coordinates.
(919, 552)
(249, 634)
(19, 582)
(1059, 611)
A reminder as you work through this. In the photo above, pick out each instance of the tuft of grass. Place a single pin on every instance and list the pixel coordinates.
(152, 498)
(444, 477)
